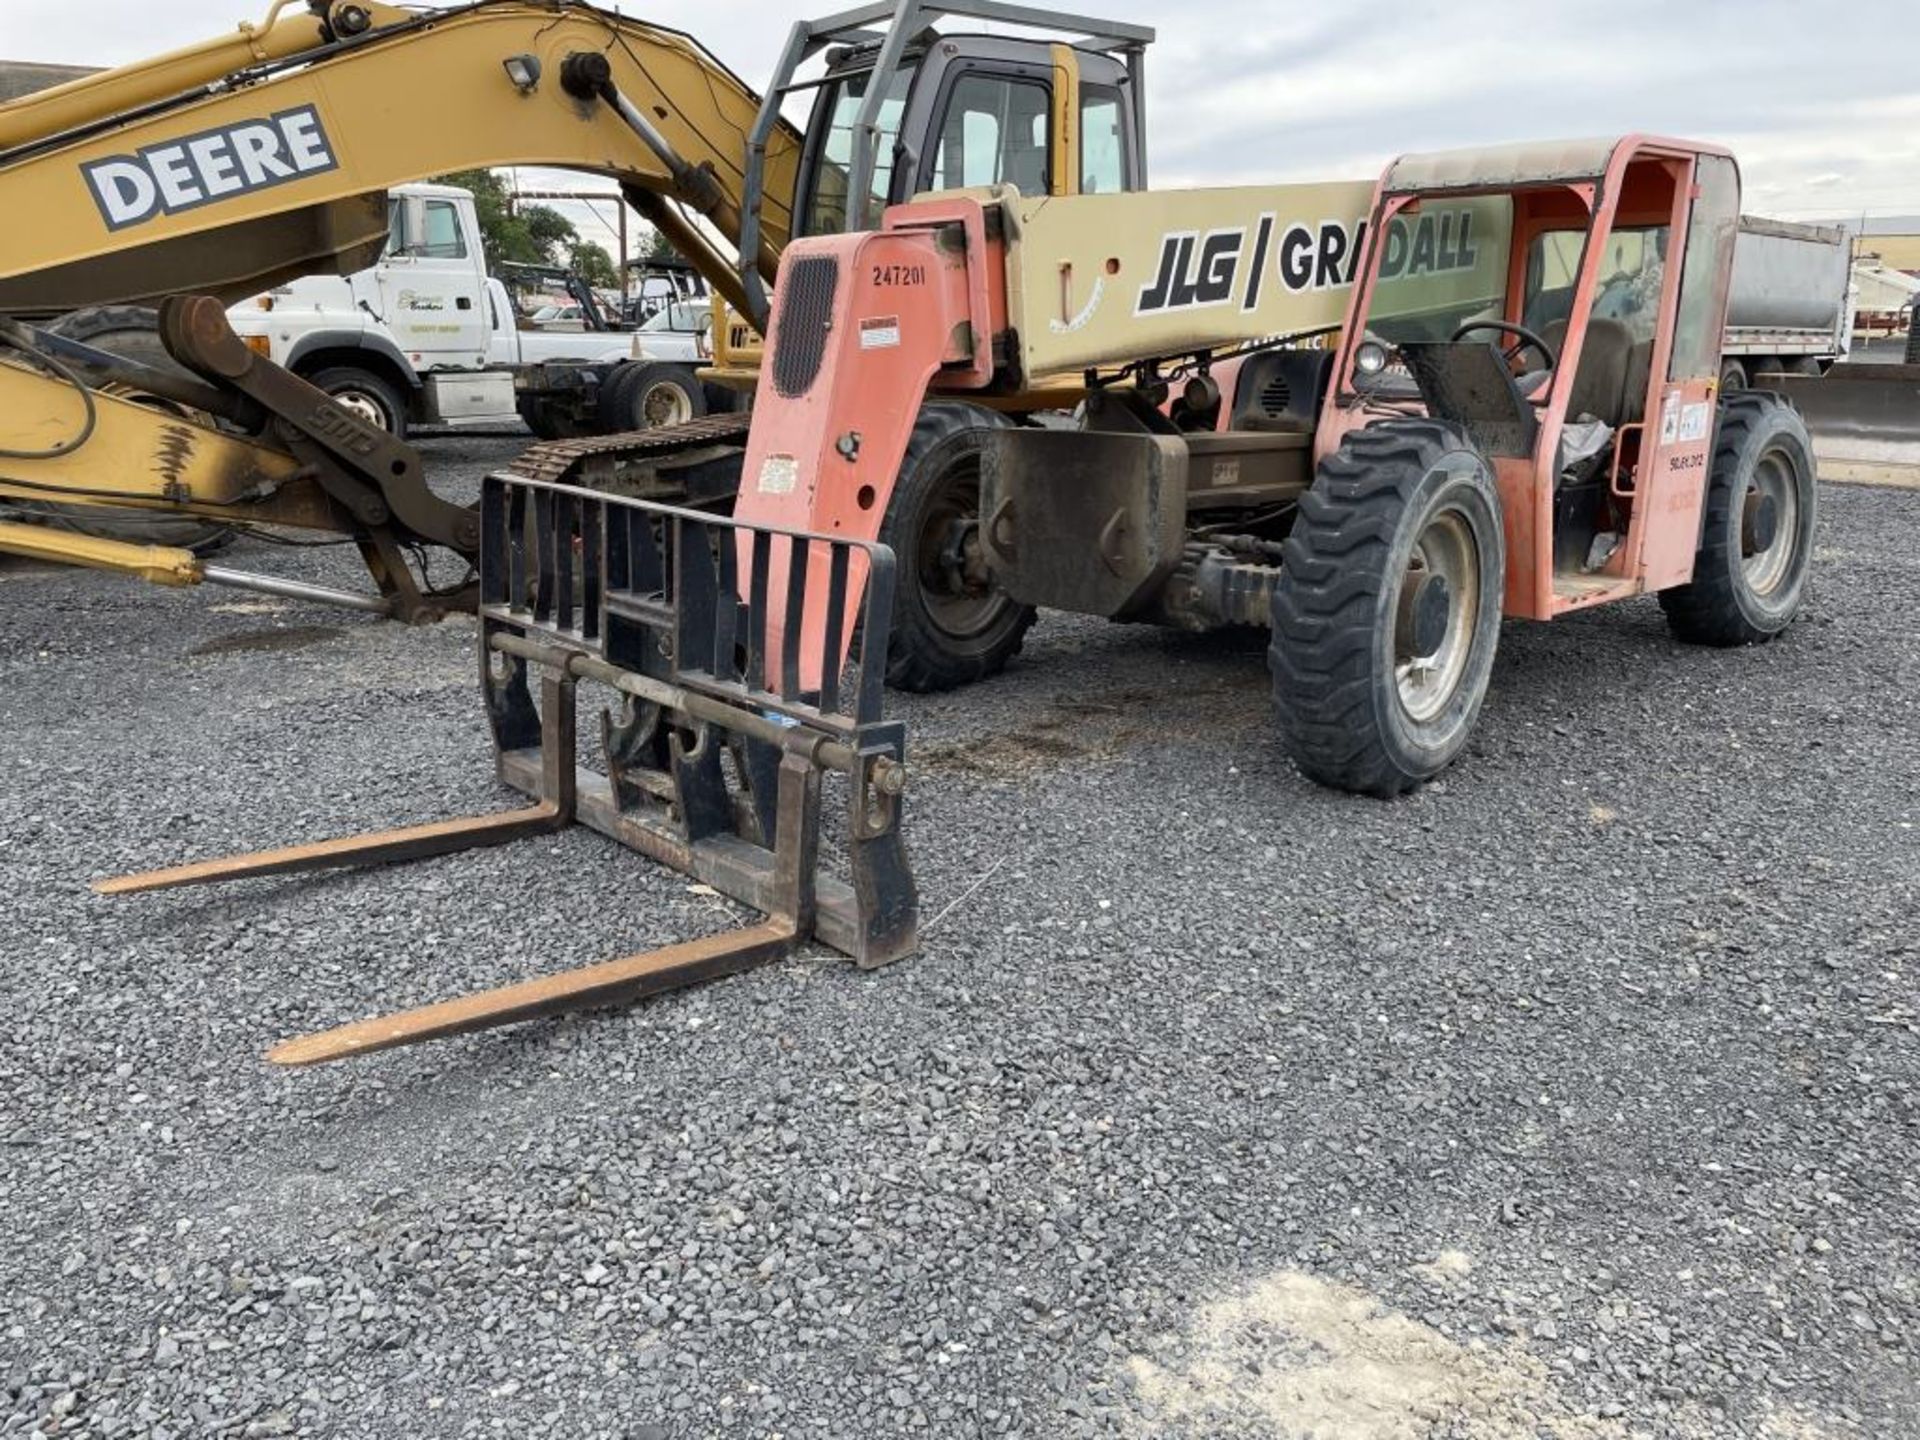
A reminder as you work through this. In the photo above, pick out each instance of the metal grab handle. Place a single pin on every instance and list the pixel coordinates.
(1613, 470)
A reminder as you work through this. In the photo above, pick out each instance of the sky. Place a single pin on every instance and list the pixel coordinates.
(1820, 102)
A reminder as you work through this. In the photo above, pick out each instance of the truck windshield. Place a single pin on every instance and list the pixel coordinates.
(826, 208)
(1444, 263)
(681, 315)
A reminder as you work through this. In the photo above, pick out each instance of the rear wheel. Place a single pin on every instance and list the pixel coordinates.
(1756, 539)
(131, 332)
(1733, 376)
(951, 624)
(647, 395)
(366, 396)
(1387, 612)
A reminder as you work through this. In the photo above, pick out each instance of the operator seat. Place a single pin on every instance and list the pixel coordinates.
(1604, 385)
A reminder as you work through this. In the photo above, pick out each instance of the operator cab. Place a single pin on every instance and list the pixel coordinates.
(1535, 297)
(957, 110)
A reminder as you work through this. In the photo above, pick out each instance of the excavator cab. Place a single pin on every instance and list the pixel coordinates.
(904, 108)
(960, 111)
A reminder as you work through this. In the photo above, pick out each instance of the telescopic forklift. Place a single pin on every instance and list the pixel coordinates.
(1508, 424)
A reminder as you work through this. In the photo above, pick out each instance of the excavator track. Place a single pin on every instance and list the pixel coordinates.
(593, 459)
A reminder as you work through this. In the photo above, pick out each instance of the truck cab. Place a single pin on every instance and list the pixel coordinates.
(425, 336)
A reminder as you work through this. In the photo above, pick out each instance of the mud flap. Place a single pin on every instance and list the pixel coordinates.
(712, 763)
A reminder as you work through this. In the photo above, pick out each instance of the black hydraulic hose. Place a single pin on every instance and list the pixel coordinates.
(16, 337)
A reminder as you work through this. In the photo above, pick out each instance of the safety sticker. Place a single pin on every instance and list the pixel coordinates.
(1693, 422)
(779, 474)
(880, 332)
(1670, 418)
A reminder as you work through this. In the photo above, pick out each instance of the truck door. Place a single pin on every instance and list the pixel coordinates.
(431, 285)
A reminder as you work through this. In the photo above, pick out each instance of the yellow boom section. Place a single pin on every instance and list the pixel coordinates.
(283, 141)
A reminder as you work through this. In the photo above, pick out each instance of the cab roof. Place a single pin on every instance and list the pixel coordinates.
(1537, 162)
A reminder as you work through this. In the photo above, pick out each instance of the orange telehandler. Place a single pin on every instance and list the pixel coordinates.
(1507, 426)
(1504, 423)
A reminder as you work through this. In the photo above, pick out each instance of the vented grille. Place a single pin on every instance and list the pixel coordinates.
(1277, 396)
(806, 305)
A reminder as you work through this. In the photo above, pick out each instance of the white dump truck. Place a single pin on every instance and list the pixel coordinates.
(1790, 308)
(428, 337)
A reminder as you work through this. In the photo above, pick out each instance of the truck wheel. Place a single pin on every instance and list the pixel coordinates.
(1387, 612)
(1756, 540)
(646, 395)
(951, 625)
(133, 333)
(367, 396)
(1733, 376)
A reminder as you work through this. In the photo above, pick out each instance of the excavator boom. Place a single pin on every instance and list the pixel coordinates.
(283, 140)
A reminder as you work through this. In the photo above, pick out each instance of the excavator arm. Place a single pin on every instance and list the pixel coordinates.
(279, 144)
(218, 170)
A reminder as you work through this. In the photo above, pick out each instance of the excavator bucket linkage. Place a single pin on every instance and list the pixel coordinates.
(711, 761)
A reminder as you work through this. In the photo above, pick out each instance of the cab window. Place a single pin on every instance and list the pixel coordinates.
(826, 212)
(444, 240)
(1703, 275)
(1628, 287)
(1102, 164)
(1443, 264)
(996, 131)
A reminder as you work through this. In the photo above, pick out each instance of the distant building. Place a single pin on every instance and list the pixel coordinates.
(23, 77)
(1896, 252)
(1894, 240)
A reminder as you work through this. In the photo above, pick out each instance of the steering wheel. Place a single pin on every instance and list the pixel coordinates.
(1526, 339)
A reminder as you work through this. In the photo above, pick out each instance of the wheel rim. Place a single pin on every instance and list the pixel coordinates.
(363, 406)
(1766, 566)
(961, 607)
(664, 404)
(1427, 674)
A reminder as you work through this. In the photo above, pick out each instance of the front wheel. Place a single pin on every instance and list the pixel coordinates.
(1756, 539)
(1387, 611)
(366, 396)
(951, 624)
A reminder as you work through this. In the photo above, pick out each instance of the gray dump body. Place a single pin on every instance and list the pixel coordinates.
(1789, 295)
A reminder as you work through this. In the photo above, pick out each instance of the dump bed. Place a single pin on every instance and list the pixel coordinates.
(1789, 291)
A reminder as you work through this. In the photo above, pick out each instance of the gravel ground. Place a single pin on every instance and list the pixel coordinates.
(1576, 1096)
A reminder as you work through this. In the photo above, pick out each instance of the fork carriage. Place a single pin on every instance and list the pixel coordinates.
(713, 756)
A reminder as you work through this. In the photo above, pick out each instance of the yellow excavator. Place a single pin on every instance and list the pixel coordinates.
(211, 173)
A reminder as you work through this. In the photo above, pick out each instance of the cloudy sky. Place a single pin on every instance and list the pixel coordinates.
(1820, 101)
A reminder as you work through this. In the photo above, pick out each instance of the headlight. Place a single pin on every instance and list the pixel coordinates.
(1369, 358)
